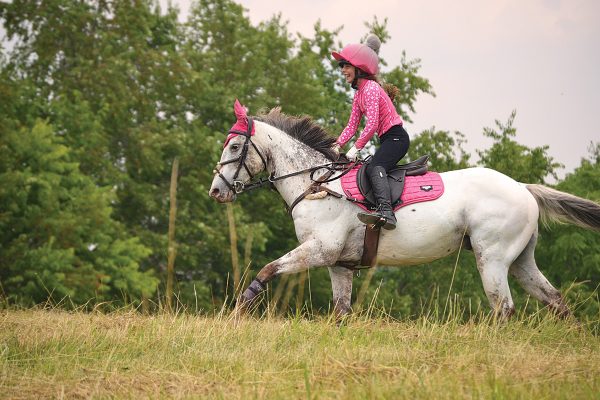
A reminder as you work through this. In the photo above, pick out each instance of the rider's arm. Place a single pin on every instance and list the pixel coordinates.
(371, 98)
(352, 125)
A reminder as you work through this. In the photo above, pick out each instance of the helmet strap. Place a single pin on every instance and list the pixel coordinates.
(358, 73)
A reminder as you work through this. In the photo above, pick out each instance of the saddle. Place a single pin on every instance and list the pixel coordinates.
(396, 179)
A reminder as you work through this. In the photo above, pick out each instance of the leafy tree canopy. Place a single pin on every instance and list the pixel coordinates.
(96, 100)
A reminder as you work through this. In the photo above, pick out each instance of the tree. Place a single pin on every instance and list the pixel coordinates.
(446, 152)
(126, 88)
(516, 160)
(569, 254)
(100, 75)
(404, 75)
(56, 232)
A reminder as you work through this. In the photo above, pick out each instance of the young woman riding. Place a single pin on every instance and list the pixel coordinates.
(359, 64)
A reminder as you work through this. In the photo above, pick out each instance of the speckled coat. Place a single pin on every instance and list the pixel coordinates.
(497, 214)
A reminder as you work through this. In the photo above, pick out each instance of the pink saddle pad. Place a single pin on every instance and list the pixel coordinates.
(417, 189)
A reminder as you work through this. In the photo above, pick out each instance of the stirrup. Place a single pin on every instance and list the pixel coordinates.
(378, 219)
(372, 219)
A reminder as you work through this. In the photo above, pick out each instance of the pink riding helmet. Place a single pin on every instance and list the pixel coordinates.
(359, 55)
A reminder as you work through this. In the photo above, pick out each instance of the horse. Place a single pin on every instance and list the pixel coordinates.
(498, 215)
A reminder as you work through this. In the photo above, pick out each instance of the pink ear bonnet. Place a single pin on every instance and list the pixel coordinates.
(241, 125)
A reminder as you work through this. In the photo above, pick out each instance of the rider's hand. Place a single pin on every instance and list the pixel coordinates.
(352, 153)
(336, 147)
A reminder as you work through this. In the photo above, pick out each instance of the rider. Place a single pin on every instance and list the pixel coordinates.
(359, 64)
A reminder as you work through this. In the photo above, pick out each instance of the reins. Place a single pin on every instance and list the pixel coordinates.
(238, 186)
(332, 166)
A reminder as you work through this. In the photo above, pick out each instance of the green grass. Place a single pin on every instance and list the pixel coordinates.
(57, 354)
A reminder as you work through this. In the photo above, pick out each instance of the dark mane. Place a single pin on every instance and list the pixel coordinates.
(303, 129)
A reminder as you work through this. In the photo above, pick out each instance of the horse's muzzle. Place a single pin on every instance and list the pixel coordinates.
(222, 195)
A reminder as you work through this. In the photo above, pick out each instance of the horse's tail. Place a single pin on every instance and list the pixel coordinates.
(563, 207)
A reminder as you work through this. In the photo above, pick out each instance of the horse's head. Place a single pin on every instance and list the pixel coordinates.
(240, 160)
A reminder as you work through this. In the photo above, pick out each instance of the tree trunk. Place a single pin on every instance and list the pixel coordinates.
(247, 257)
(283, 308)
(362, 293)
(172, 252)
(279, 291)
(300, 292)
(235, 261)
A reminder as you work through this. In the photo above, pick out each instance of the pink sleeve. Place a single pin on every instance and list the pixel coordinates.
(352, 125)
(371, 97)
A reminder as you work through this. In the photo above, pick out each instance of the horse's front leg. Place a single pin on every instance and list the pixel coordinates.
(341, 284)
(312, 253)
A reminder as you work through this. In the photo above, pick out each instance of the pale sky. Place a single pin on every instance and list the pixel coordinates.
(483, 59)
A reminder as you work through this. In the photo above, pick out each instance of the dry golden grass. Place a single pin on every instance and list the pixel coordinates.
(57, 354)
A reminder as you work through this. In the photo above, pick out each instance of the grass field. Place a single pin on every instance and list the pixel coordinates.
(57, 354)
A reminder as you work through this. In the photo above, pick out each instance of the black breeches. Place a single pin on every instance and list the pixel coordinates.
(394, 145)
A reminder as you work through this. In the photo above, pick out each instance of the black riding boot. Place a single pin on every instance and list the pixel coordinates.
(384, 215)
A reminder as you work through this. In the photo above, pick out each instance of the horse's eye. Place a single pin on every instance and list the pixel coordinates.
(234, 147)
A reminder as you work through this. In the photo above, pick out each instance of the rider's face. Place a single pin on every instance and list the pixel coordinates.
(348, 72)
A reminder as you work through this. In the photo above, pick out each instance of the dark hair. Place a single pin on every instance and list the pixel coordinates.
(390, 89)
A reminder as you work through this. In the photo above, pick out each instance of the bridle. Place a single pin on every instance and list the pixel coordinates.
(236, 185)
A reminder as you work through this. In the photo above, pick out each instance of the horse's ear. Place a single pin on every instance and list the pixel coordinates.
(240, 110)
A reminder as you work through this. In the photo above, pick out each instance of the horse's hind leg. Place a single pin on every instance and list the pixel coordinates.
(493, 263)
(526, 272)
(494, 276)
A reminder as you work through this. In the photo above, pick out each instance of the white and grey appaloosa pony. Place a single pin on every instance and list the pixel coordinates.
(499, 215)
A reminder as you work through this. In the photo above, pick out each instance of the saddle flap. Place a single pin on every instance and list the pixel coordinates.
(396, 182)
(417, 189)
(396, 179)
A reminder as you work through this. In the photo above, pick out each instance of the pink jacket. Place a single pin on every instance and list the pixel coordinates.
(370, 99)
